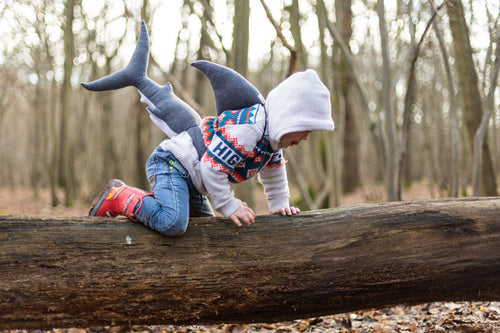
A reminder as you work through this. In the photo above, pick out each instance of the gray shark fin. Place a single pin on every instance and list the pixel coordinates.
(231, 90)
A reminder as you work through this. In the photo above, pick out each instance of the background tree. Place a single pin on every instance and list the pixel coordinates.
(105, 103)
(454, 130)
(390, 127)
(239, 61)
(470, 96)
(142, 122)
(295, 19)
(66, 156)
(481, 131)
(350, 163)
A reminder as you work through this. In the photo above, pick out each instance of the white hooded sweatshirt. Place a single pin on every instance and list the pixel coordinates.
(299, 103)
(242, 143)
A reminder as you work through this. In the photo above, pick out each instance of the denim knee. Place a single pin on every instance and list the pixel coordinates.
(176, 231)
(169, 226)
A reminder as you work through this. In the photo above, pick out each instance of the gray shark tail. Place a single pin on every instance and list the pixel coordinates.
(172, 115)
(133, 74)
(231, 90)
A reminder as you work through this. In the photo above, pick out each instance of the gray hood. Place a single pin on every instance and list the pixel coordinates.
(299, 103)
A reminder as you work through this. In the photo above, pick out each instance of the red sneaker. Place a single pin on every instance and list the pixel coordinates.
(118, 199)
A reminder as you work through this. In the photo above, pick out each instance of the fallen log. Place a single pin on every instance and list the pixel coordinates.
(82, 272)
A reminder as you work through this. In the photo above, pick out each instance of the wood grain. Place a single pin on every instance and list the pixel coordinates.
(81, 271)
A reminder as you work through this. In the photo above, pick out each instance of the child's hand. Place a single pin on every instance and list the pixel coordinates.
(286, 211)
(243, 213)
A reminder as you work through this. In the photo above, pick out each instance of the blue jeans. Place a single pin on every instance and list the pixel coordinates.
(174, 197)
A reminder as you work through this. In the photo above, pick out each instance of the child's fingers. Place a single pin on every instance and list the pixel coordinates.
(287, 211)
(243, 213)
(235, 220)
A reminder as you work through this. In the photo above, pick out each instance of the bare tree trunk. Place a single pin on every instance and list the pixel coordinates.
(141, 128)
(481, 131)
(350, 168)
(37, 140)
(295, 21)
(404, 159)
(66, 173)
(202, 85)
(455, 137)
(241, 32)
(390, 126)
(335, 155)
(110, 156)
(141, 139)
(374, 127)
(468, 83)
(405, 165)
(81, 272)
(54, 152)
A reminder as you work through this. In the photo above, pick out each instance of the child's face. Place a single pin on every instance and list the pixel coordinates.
(293, 138)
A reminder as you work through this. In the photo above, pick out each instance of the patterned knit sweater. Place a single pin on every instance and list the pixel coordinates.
(238, 148)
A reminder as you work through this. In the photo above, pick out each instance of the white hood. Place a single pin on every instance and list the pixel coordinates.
(299, 103)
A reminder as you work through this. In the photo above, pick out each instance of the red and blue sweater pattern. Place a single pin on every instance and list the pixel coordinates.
(227, 152)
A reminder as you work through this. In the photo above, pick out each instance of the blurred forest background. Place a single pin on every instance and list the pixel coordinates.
(413, 88)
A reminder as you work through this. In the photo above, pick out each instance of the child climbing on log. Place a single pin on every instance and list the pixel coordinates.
(203, 156)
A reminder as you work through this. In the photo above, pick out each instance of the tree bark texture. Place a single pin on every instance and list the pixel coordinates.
(453, 124)
(469, 91)
(387, 105)
(295, 29)
(241, 33)
(65, 166)
(80, 271)
(350, 170)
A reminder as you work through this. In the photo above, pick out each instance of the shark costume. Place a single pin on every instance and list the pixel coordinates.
(203, 156)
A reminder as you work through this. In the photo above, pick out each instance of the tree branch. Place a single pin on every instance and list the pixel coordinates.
(279, 32)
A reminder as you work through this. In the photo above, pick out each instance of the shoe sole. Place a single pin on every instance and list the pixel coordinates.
(95, 208)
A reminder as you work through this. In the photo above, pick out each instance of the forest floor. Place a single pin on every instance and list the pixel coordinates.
(466, 317)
